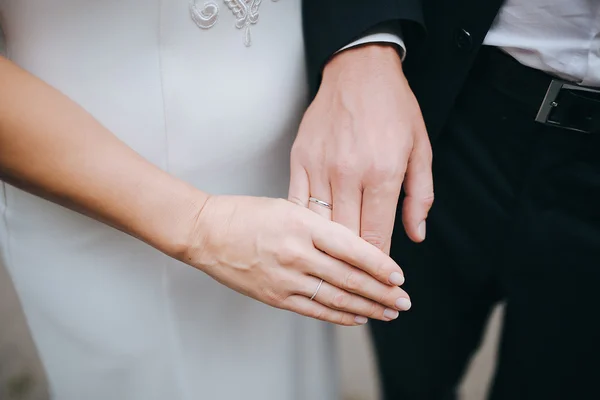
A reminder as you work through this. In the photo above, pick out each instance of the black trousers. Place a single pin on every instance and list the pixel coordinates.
(516, 219)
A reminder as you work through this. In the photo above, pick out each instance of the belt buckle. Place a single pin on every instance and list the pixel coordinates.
(549, 103)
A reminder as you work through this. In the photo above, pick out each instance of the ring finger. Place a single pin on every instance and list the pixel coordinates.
(320, 196)
(356, 281)
(338, 299)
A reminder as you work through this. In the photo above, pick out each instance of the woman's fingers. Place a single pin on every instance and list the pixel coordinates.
(338, 299)
(339, 242)
(305, 306)
(353, 280)
(277, 252)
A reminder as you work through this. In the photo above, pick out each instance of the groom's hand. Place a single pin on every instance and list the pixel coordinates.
(361, 139)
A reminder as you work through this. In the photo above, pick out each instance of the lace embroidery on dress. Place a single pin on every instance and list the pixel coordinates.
(245, 12)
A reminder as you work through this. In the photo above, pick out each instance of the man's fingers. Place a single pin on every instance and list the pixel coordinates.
(303, 188)
(299, 185)
(378, 214)
(320, 193)
(418, 186)
(347, 198)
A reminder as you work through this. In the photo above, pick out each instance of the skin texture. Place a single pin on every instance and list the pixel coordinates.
(269, 249)
(361, 140)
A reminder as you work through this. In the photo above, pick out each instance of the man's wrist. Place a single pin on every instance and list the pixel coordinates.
(378, 54)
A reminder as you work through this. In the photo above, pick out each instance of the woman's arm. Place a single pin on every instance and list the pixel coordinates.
(51, 147)
(269, 249)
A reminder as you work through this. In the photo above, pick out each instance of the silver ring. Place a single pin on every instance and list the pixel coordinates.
(317, 291)
(320, 202)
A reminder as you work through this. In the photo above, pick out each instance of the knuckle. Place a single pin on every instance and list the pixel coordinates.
(381, 170)
(319, 314)
(344, 169)
(297, 200)
(273, 297)
(428, 153)
(352, 282)
(289, 253)
(300, 150)
(374, 310)
(283, 281)
(427, 200)
(380, 270)
(297, 221)
(385, 296)
(341, 301)
(376, 238)
(341, 319)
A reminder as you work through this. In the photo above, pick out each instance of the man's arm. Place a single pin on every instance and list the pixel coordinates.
(331, 25)
(363, 137)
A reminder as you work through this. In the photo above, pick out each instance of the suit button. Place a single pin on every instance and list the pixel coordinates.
(463, 39)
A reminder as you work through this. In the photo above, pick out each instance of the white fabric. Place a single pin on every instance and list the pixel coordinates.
(383, 33)
(113, 318)
(557, 36)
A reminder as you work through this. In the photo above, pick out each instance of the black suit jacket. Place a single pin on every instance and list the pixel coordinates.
(442, 38)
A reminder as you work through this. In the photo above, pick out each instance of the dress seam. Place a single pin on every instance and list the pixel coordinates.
(8, 256)
(173, 329)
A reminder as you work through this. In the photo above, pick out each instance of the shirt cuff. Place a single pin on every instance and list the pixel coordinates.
(380, 34)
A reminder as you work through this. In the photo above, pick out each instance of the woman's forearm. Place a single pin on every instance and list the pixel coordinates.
(51, 147)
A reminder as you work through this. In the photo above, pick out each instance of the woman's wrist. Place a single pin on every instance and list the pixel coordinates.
(171, 223)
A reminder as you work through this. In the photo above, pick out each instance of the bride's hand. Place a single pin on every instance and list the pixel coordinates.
(277, 252)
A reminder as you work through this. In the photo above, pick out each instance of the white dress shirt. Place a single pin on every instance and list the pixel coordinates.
(559, 37)
(383, 33)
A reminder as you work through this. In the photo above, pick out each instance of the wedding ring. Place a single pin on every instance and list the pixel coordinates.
(320, 202)
(317, 291)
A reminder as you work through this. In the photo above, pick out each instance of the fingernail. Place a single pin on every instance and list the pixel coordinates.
(422, 230)
(390, 314)
(360, 320)
(396, 278)
(403, 304)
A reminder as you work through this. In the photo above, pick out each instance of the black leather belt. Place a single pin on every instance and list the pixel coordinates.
(558, 103)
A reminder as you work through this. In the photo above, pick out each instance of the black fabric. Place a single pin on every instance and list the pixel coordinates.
(442, 39)
(575, 109)
(516, 218)
(329, 25)
(527, 86)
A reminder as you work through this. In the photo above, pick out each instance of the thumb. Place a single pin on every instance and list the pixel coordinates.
(418, 186)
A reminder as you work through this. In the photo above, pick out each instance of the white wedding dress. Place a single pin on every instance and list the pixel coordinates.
(213, 94)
